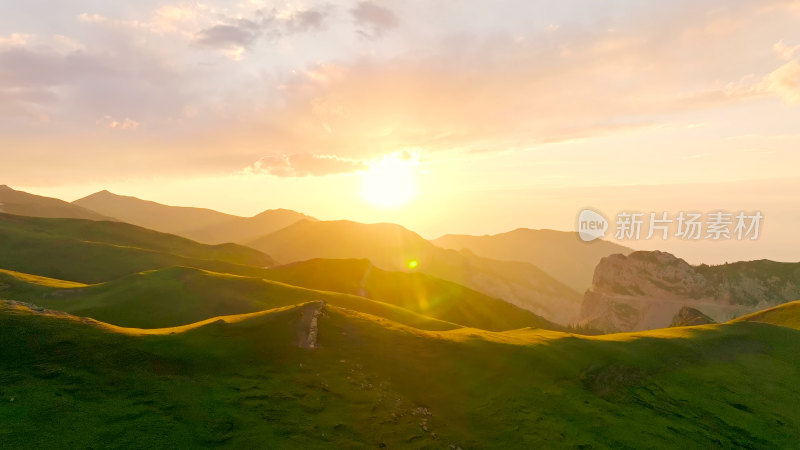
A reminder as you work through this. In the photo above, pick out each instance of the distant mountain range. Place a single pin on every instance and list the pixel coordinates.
(560, 253)
(25, 204)
(118, 266)
(415, 291)
(541, 271)
(199, 224)
(372, 337)
(392, 247)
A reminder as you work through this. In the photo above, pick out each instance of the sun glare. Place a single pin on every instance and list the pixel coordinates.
(389, 182)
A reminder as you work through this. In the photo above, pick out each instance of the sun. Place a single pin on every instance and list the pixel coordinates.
(389, 182)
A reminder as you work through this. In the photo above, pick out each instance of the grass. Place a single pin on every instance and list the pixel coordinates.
(91, 252)
(244, 383)
(203, 352)
(416, 292)
(785, 315)
(179, 295)
(124, 234)
(42, 281)
(391, 247)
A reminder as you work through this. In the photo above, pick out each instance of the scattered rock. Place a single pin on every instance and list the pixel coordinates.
(688, 317)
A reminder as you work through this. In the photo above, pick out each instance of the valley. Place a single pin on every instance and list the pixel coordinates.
(321, 335)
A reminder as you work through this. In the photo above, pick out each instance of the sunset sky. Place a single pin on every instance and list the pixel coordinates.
(490, 116)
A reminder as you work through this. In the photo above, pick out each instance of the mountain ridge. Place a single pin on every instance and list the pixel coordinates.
(559, 253)
(646, 289)
(395, 248)
(200, 224)
(23, 203)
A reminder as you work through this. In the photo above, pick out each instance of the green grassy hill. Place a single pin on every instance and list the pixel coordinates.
(415, 291)
(127, 235)
(91, 251)
(394, 248)
(785, 315)
(245, 383)
(179, 295)
(97, 252)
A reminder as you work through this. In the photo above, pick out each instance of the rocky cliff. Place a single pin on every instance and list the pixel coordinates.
(688, 317)
(645, 290)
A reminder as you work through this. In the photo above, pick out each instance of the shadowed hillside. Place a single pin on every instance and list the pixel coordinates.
(94, 252)
(416, 291)
(90, 251)
(246, 382)
(559, 253)
(179, 295)
(392, 247)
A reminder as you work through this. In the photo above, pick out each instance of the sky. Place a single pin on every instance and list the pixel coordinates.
(482, 116)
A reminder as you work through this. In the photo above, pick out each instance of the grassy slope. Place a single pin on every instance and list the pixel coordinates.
(179, 295)
(418, 292)
(92, 252)
(124, 234)
(173, 296)
(37, 280)
(785, 315)
(391, 247)
(372, 381)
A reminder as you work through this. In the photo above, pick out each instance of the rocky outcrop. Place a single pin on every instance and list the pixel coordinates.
(645, 290)
(310, 323)
(689, 317)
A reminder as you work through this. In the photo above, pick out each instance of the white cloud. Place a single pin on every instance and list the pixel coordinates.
(114, 124)
(785, 82)
(467, 78)
(784, 51)
(303, 164)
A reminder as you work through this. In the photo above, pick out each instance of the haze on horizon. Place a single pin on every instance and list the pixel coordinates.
(475, 117)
